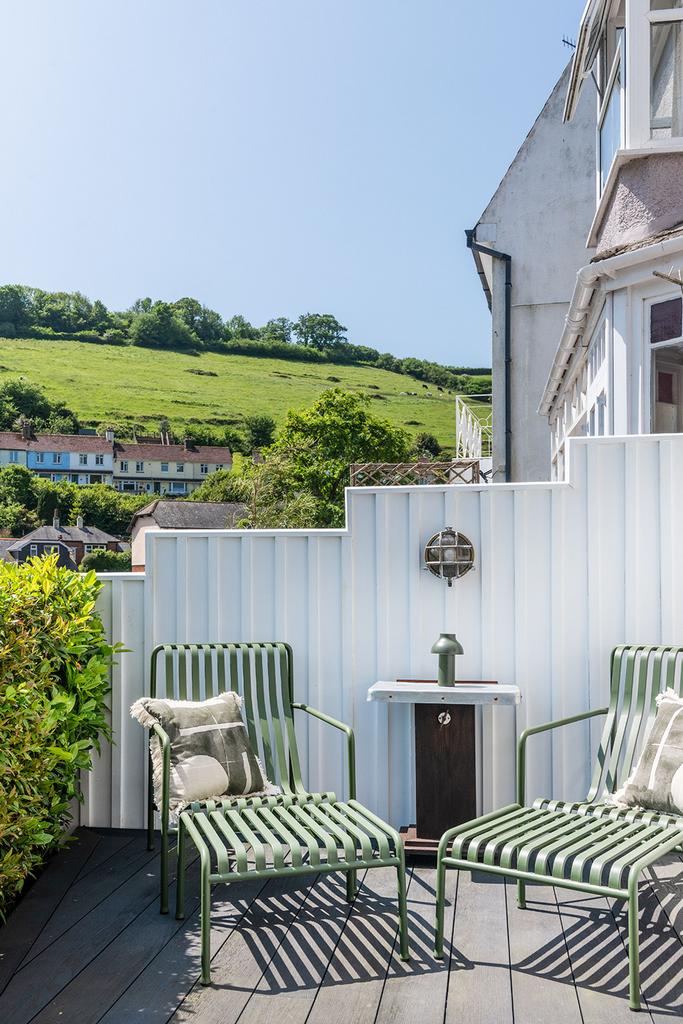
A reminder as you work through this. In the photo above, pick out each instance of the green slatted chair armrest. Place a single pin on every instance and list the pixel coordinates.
(350, 738)
(546, 727)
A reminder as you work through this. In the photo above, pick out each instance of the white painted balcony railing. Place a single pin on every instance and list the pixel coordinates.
(473, 433)
(563, 572)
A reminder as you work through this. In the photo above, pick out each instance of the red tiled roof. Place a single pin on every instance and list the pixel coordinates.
(54, 442)
(172, 452)
(121, 450)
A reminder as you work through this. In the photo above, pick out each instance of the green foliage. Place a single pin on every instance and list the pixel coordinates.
(260, 431)
(54, 675)
(276, 501)
(18, 484)
(161, 327)
(16, 520)
(21, 399)
(426, 446)
(319, 330)
(223, 485)
(51, 496)
(107, 561)
(318, 444)
(110, 510)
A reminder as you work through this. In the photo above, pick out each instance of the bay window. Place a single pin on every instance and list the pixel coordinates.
(611, 111)
(666, 69)
(666, 367)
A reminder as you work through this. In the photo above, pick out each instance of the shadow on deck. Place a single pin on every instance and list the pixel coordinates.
(87, 945)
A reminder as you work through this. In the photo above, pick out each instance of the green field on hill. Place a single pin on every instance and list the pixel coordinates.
(126, 384)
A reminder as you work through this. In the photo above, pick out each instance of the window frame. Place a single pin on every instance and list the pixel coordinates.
(618, 66)
(82, 459)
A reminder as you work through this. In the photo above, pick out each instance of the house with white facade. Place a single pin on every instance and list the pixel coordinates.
(526, 245)
(618, 365)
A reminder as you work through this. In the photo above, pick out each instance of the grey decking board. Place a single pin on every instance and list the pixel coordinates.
(111, 842)
(110, 972)
(297, 969)
(480, 958)
(36, 908)
(159, 988)
(598, 958)
(416, 991)
(92, 889)
(541, 971)
(134, 965)
(352, 987)
(661, 935)
(240, 961)
(57, 965)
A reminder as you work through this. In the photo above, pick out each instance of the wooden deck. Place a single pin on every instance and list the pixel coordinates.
(88, 946)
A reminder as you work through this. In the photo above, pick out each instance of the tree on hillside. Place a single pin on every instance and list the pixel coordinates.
(319, 443)
(16, 520)
(15, 306)
(260, 431)
(51, 496)
(426, 446)
(19, 399)
(102, 506)
(222, 485)
(205, 323)
(279, 329)
(319, 330)
(161, 327)
(18, 485)
(238, 327)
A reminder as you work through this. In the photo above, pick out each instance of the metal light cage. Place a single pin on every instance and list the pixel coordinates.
(449, 555)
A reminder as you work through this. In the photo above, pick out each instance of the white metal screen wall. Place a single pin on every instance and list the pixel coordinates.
(564, 571)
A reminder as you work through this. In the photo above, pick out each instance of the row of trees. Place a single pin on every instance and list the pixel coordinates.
(188, 325)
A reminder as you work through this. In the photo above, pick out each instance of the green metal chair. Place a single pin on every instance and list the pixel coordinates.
(297, 832)
(589, 846)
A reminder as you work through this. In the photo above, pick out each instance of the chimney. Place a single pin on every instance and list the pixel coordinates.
(109, 435)
(55, 519)
(79, 522)
(26, 429)
(187, 444)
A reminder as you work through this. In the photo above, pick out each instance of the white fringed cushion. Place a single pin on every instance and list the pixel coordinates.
(211, 755)
(656, 783)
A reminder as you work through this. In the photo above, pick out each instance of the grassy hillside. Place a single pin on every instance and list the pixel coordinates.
(103, 383)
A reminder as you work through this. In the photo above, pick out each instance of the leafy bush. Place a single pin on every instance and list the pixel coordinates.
(54, 679)
(107, 561)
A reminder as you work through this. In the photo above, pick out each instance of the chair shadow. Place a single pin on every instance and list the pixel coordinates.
(596, 939)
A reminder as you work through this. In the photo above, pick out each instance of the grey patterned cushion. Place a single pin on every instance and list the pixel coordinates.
(211, 755)
(656, 783)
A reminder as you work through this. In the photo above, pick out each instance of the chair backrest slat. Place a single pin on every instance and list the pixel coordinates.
(638, 674)
(262, 673)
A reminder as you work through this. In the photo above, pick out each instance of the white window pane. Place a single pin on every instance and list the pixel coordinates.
(666, 84)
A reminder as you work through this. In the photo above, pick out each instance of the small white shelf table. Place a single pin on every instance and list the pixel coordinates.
(445, 758)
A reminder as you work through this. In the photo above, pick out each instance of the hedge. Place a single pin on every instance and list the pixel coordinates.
(54, 668)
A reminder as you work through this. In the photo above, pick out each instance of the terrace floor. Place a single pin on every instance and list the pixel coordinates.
(87, 945)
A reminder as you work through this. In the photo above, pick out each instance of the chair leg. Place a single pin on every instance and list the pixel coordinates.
(150, 809)
(440, 901)
(402, 907)
(180, 873)
(351, 886)
(163, 870)
(206, 919)
(521, 894)
(633, 946)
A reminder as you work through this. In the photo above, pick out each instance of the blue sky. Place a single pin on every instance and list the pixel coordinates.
(271, 157)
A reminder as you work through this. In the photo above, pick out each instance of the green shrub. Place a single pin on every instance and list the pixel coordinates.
(54, 661)
(107, 561)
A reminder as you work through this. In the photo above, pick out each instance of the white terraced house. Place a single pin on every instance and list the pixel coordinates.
(152, 466)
